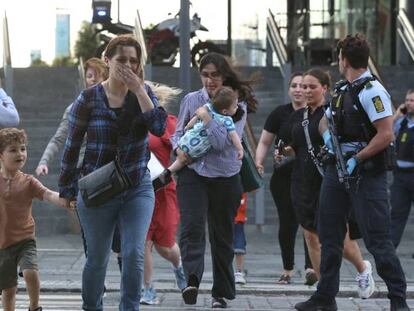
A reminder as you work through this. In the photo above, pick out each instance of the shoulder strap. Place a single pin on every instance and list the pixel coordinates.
(367, 124)
(311, 150)
(404, 124)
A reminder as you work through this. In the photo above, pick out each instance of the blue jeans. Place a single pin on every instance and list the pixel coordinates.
(402, 197)
(239, 243)
(132, 211)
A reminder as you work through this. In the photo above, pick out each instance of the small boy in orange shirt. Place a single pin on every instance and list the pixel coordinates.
(239, 244)
(17, 228)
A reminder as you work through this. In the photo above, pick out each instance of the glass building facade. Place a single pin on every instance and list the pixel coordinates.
(314, 27)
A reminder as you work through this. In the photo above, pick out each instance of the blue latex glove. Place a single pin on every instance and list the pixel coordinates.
(351, 164)
(327, 139)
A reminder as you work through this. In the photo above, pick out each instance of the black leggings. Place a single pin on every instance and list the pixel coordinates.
(288, 226)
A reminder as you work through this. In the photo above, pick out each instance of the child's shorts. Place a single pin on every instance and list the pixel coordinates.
(23, 254)
(239, 243)
(195, 144)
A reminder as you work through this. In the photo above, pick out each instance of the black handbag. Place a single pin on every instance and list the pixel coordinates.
(250, 177)
(103, 184)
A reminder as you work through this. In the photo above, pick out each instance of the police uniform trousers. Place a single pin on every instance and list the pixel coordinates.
(402, 196)
(368, 199)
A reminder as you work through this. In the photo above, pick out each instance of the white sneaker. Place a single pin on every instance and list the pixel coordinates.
(149, 296)
(366, 284)
(239, 278)
(180, 277)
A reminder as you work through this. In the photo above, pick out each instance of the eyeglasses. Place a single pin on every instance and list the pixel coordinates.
(215, 75)
(295, 85)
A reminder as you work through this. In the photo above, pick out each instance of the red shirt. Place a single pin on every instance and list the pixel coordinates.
(241, 211)
(166, 215)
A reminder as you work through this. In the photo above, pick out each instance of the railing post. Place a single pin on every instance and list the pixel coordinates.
(259, 210)
(7, 64)
(288, 72)
(140, 36)
(269, 54)
(148, 71)
(185, 82)
(8, 79)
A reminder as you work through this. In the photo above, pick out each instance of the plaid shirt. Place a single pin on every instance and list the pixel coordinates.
(99, 122)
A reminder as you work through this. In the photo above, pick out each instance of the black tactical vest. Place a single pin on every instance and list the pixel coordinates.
(354, 125)
(405, 142)
(352, 121)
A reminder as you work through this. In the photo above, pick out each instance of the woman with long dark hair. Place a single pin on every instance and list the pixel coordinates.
(276, 130)
(209, 188)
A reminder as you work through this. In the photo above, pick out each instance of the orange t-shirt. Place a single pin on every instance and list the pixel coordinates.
(241, 217)
(16, 220)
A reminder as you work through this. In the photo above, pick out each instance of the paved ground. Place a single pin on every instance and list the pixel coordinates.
(61, 260)
(173, 301)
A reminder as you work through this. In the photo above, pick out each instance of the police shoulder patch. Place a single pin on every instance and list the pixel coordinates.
(379, 106)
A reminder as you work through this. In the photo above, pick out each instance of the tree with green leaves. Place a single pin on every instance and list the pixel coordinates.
(63, 61)
(38, 62)
(88, 41)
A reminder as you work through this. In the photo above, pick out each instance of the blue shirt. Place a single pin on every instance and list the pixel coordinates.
(221, 160)
(8, 113)
(397, 126)
(99, 122)
(195, 141)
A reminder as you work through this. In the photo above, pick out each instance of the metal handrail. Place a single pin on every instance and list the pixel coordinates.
(373, 67)
(406, 31)
(7, 62)
(81, 70)
(249, 135)
(276, 44)
(139, 35)
(276, 41)
(6, 43)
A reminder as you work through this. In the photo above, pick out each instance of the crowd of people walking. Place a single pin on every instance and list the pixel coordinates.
(331, 151)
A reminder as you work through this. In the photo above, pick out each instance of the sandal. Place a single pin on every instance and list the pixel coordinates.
(219, 303)
(284, 279)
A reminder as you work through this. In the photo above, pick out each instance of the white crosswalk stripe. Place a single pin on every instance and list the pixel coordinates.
(51, 302)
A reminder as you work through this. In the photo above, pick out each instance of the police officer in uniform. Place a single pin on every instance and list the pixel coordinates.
(361, 110)
(402, 189)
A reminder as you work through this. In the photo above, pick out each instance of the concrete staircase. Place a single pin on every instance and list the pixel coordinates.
(42, 94)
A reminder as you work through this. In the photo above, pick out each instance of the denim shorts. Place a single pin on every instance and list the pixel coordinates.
(239, 243)
(22, 254)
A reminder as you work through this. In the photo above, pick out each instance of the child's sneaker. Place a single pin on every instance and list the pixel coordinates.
(310, 277)
(37, 309)
(180, 277)
(239, 278)
(149, 296)
(366, 284)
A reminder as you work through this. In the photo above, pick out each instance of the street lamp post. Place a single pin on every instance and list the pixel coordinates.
(185, 83)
